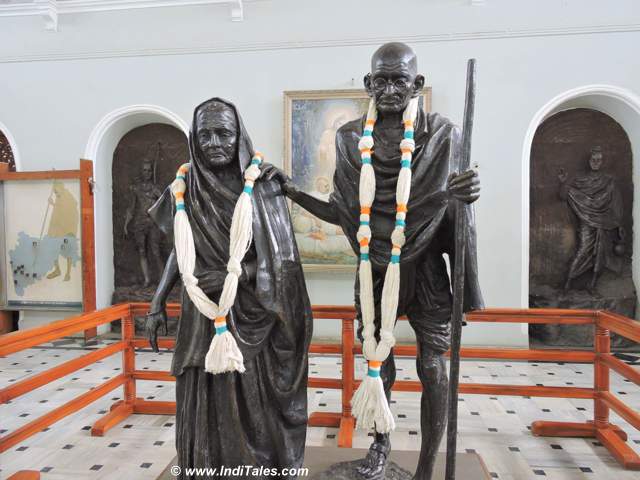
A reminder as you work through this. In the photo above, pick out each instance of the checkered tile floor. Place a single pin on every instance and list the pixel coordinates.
(142, 446)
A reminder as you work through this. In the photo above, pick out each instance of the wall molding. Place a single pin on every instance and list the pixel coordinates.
(623, 95)
(237, 47)
(51, 8)
(86, 6)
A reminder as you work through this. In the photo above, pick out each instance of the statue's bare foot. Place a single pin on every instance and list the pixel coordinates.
(67, 277)
(374, 465)
(56, 273)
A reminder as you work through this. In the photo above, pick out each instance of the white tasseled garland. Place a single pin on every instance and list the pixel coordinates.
(369, 403)
(224, 354)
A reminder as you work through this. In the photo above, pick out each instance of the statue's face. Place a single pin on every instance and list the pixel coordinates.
(394, 79)
(147, 172)
(595, 162)
(217, 133)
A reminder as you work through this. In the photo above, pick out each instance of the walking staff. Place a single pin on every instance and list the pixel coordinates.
(458, 277)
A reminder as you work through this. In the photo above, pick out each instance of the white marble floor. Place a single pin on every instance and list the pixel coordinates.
(142, 446)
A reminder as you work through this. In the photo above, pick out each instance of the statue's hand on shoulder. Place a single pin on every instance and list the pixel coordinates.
(464, 186)
(154, 319)
(271, 172)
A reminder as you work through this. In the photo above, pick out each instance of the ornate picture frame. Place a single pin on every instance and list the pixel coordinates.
(311, 119)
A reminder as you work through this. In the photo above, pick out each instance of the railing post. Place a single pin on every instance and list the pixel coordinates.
(88, 246)
(602, 345)
(129, 358)
(347, 422)
(348, 366)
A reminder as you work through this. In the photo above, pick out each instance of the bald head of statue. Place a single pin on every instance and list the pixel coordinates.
(394, 78)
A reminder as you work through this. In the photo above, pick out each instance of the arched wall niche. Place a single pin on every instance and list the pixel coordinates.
(156, 150)
(14, 146)
(623, 106)
(100, 148)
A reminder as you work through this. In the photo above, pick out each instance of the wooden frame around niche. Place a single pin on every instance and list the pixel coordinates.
(84, 174)
(292, 95)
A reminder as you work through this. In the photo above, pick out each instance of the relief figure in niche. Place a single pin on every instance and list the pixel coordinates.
(581, 223)
(143, 195)
(597, 203)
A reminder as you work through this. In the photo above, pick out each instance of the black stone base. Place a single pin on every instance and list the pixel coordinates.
(613, 292)
(333, 463)
(349, 471)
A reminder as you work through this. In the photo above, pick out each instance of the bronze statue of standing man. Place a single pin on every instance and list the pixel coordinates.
(425, 286)
(143, 195)
(597, 203)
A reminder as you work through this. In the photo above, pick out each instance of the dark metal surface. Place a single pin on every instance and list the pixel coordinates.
(258, 417)
(581, 227)
(138, 225)
(6, 153)
(144, 163)
(425, 286)
(321, 464)
(458, 277)
(349, 471)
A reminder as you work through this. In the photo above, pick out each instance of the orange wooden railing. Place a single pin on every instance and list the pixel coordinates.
(611, 436)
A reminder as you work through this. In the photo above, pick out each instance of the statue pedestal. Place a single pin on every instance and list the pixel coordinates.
(615, 293)
(333, 463)
(329, 463)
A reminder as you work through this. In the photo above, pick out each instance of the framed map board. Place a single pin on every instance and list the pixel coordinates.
(311, 119)
(46, 250)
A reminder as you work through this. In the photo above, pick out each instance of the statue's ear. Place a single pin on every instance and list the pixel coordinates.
(367, 84)
(418, 85)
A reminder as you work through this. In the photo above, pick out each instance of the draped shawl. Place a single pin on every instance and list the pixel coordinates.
(596, 201)
(430, 219)
(258, 417)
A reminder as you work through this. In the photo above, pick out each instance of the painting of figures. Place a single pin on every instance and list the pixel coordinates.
(312, 119)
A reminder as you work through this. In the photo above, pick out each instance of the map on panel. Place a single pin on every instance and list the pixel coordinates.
(42, 223)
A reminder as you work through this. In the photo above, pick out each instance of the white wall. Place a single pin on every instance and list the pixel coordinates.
(55, 87)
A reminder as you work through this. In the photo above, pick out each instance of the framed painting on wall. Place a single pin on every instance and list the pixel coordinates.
(312, 118)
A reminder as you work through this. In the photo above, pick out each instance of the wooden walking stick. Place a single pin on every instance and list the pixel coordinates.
(458, 276)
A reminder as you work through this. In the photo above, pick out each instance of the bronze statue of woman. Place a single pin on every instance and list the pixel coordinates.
(258, 417)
